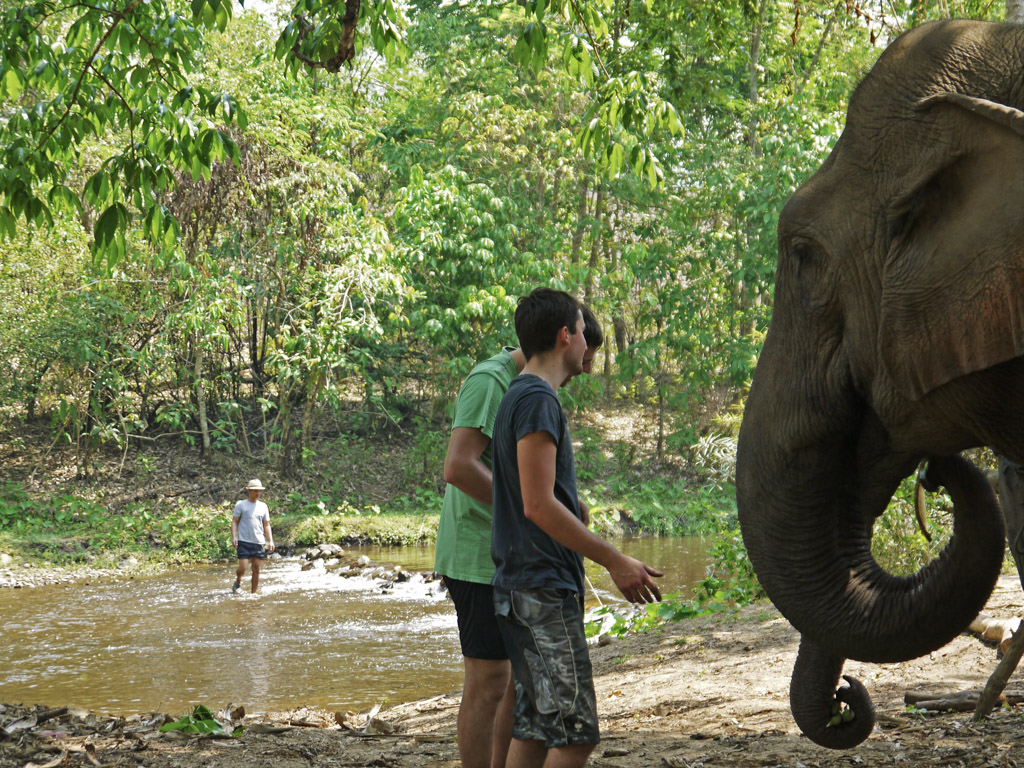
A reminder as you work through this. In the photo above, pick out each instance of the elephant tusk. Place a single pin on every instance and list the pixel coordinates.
(919, 506)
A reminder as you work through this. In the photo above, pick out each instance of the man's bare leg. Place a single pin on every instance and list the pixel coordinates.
(533, 754)
(256, 563)
(503, 725)
(483, 693)
(243, 563)
(571, 756)
(526, 753)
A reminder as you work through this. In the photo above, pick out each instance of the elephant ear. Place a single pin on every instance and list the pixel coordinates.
(953, 283)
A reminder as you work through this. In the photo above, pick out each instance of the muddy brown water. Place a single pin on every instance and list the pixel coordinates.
(310, 638)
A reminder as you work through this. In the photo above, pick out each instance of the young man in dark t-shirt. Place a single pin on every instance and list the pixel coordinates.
(464, 553)
(538, 542)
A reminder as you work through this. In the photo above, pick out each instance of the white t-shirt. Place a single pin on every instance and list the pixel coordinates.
(250, 516)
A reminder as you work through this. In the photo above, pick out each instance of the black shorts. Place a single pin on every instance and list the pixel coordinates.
(250, 550)
(478, 626)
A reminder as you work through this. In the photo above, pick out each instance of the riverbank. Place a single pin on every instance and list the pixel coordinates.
(29, 575)
(710, 691)
(160, 502)
(22, 574)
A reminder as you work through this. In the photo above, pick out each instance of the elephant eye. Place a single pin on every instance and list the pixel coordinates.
(803, 254)
(807, 266)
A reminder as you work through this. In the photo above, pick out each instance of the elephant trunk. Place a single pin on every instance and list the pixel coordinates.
(837, 719)
(842, 718)
(819, 571)
(816, 566)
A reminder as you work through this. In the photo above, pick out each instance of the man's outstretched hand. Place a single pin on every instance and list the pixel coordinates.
(633, 579)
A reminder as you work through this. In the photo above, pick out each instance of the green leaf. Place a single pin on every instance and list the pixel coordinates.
(62, 196)
(230, 148)
(200, 721)
(153, 224)
(223, 16)
(127, 41)
(654, 174)
(13, 83)
(522, 52)
(8, 228)
(108, 224)
(614, 157)
(108, 236)
(97, 189)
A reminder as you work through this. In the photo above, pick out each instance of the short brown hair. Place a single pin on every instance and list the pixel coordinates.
(591, 328)
(541, 315)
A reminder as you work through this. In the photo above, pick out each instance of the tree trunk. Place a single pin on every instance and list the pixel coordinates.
(581, 218)
(661, 394)
(752, 78)
(596, 235)
(204, 427)
(285, 465)
(997, 682)
(312, 394)
(619, 330)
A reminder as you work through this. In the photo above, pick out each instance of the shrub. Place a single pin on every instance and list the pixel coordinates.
(367, 527)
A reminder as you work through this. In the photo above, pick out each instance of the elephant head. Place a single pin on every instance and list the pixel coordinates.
(897, 334)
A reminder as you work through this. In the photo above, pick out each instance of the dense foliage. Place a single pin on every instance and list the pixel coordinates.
(248, 230)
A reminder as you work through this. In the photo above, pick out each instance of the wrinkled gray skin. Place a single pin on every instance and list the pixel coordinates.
(897, 335)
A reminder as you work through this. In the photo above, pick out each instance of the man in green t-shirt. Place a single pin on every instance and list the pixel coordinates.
(463, 555)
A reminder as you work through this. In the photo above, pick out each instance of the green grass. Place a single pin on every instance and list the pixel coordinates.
(63, 530)
(369, 527)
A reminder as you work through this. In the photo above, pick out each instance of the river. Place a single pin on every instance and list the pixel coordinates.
(165, 643)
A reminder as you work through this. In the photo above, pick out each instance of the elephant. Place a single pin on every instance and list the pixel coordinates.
(896, 337)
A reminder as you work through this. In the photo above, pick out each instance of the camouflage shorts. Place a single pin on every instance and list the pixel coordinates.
(543, 633)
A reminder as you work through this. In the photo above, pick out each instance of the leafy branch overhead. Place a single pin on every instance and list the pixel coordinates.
(318, 38)
(349, 245)
(113, 87)
(71, 77)
(626, 110)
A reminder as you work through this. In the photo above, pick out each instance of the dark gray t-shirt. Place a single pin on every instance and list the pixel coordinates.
(525, 557)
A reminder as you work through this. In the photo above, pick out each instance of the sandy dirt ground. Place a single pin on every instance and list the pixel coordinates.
(699, 693)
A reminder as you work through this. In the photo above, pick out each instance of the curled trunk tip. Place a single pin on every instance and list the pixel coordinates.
(831, 715)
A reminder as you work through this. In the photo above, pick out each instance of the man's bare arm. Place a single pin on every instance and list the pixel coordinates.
(463, 467)
(536, 453)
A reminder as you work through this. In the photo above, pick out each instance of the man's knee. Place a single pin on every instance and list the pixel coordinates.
(571, 754)
(487, 680)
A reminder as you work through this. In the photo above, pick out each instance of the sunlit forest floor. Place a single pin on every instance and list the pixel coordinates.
(377, 464)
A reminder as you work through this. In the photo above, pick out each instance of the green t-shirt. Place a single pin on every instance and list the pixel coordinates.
(464, 533)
